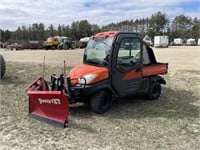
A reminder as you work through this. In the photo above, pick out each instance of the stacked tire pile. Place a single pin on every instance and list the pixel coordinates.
(2, 66)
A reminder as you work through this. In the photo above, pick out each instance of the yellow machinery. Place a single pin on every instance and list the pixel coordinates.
(52, 42)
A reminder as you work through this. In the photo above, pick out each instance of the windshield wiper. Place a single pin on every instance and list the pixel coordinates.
(103, 62)
(93, 61)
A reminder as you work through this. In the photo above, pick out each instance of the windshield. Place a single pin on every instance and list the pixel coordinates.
(50, 39)
(98, 51)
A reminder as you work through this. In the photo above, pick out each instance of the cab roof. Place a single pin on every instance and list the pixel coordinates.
(105, 34)
(112, 34)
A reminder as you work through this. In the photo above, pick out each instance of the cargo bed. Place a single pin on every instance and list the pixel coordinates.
(154, 69)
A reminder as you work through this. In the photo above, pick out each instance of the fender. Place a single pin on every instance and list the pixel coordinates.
(158, 79)
(103, 85)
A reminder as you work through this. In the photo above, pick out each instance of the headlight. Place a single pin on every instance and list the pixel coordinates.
(87, 79)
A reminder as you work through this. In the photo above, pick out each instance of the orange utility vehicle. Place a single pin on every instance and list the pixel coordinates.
(115, 64)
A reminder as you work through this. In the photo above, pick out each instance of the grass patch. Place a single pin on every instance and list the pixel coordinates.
(172, 122)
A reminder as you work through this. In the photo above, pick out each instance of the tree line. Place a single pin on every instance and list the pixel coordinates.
(158, 24)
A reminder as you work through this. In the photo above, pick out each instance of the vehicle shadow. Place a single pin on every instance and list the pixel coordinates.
(175, 104)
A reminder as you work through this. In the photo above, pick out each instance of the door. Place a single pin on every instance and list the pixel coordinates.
(126, 63)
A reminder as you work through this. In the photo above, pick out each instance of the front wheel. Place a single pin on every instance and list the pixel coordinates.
(154, 91)
(101, 102)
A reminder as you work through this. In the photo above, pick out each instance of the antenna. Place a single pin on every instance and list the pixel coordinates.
(43, 70)
(64, 69)
(43, 74)
(65, 78)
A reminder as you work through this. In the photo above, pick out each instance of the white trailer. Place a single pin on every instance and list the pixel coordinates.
(191, 42)
(178, 41)
(161, 41)
(198, 42)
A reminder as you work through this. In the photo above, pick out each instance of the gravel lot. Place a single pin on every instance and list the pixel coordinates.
(171, 122)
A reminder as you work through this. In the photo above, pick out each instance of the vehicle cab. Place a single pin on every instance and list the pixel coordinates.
(116, 64)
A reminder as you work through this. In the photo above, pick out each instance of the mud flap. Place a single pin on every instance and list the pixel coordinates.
(52, 106)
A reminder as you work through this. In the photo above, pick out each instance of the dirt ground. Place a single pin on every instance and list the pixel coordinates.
(179, 57)
(171, 122)
(52, 57)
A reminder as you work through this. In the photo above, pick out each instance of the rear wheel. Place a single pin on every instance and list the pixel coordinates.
(3, 66)
(101, 102)
(154, 91)
(54, 47)
(66, 46)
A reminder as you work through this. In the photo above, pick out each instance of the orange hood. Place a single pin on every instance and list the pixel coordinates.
(79, 71)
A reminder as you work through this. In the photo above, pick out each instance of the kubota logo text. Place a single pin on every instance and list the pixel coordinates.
(49, 101)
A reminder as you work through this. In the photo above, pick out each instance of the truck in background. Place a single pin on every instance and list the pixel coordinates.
(191, 42)
(178, 42)
(83, 42)
(161, 41)
(66, 43)
(198, 43)
(51, 42)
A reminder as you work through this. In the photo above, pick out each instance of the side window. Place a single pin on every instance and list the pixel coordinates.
(128, 54)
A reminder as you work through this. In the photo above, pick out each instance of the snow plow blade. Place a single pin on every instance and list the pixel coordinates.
(48, 106)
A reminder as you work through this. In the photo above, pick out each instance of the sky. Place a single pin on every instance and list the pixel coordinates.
(15, 13)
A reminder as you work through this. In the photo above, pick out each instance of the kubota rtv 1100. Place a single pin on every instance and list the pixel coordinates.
(115, 64)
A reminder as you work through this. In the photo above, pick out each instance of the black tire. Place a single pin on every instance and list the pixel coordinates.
(154, 91)
(53, 47)
(59, 47)
(73, 46)
(3, 66)
(101, 102)
(66, 47)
